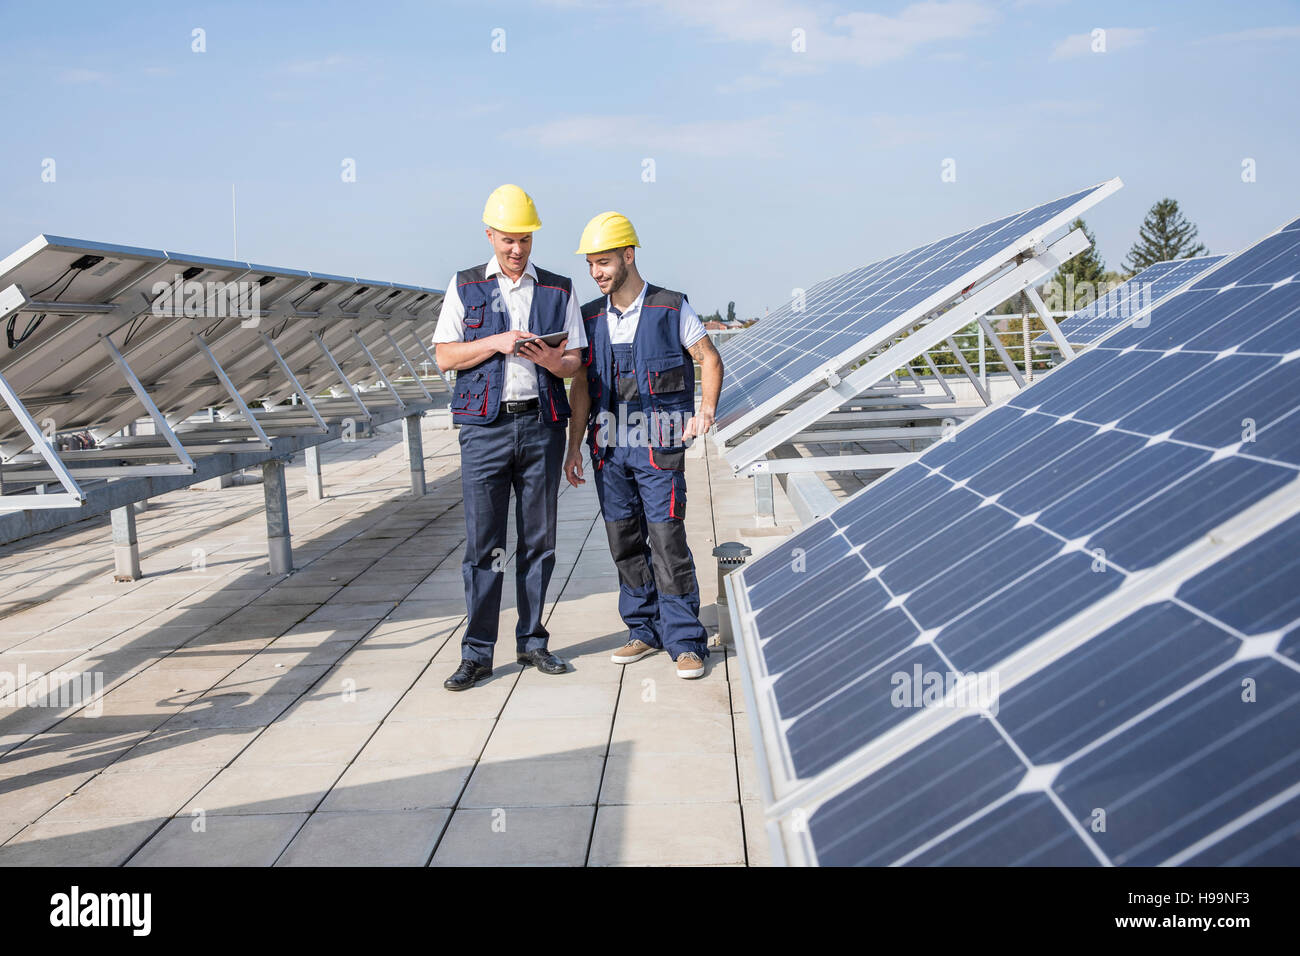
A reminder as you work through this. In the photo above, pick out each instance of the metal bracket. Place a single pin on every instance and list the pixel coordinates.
(343, 379)
(382, 377)
(407, 362)
(143, 397)
(293, 380)
(965, 367)
(1001, 349)
(434, 362)
(941, 379)
(1052, 329)
(247, 413)
(74, 495)
(785, 466)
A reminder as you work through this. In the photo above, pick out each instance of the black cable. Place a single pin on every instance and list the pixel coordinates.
(54, 283)
(134, 327)
(34, 324)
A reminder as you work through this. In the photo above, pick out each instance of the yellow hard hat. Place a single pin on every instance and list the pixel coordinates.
(510, 209)
(609, 230)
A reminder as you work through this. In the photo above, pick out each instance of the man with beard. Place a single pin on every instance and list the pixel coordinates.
(637, 405)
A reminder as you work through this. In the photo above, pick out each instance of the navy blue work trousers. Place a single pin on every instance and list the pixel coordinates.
(643, 502)
(520, 453)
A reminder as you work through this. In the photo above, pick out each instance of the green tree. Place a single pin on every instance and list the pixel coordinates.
(1087, 266)
(1079, 280)
(1165, 234)
(731, 312)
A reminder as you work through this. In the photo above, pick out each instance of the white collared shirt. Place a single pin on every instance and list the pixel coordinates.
(521, 374)
(622, 328)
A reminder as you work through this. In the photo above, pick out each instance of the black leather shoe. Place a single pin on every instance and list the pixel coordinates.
(544, 661)
(467, 675)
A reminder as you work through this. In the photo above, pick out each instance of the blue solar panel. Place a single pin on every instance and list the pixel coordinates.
(1093, 514)
(1122, 303)
(839, 315)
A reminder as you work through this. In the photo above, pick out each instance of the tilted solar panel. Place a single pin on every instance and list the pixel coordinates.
(1122, 303)
(840, 320)
(100, 335)
(1068, 634)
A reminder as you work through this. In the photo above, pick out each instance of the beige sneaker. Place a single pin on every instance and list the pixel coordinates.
(633, 650)
(689, 665)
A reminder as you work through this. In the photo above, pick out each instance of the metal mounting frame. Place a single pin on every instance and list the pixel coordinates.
(1026, 244)
(175, 355)
(846, 388)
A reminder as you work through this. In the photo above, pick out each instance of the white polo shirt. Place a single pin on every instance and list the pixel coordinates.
(622, 327)
(521, 374)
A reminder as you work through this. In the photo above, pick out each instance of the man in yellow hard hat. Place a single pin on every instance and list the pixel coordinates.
(509, 399)
(636, 405)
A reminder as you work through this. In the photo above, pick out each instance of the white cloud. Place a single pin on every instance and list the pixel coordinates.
(1116, 38)
(874, 38)
(867, 39)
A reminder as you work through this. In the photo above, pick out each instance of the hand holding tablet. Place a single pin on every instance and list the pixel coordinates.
(554, 339)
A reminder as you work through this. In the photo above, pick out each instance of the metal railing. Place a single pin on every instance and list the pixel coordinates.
(986, 357)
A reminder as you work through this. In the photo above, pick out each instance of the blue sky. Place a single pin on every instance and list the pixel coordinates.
(773, 168)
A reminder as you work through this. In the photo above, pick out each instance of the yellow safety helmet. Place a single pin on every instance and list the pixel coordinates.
(510, 209)
(609, 230)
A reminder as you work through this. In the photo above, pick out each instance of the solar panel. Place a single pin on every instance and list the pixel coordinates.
(1068, 634)
(100, 335)
(872, 310)
(1122, 303)
(834, 317)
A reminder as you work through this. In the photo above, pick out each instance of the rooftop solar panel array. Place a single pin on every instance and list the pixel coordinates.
(1115, 555)
(62, 365)
(1124, 302)
(837, 321)
(100, 335)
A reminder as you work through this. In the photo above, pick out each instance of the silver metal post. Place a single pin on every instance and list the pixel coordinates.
(126, 547)
(276, 496)
(414, 452)
(1024, 336)
(764, 503)
(315, 484)
(1007, 361)
(965, 367)
(1052, 328)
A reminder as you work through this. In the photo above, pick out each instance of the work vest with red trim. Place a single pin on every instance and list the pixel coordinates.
(477, 397)
(665, 374)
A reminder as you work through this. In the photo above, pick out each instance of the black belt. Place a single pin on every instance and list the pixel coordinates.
(516, 408)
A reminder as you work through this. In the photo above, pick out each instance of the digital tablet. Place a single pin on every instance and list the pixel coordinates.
(554, 339)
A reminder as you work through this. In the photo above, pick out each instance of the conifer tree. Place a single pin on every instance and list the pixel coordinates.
(1165, 234)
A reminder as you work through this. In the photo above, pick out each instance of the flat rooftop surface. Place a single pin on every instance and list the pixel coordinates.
(247, 719)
